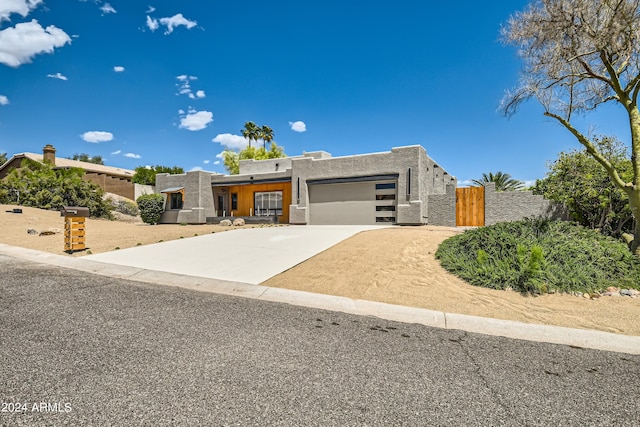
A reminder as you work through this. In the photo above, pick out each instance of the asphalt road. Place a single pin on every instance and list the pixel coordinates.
(80, 349)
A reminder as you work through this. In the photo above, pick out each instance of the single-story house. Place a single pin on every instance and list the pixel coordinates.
(110, 179)
(314, 188)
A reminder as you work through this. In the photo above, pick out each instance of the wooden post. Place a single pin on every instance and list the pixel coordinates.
(74, 233)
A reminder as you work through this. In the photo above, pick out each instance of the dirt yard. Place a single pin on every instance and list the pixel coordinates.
(394, 265)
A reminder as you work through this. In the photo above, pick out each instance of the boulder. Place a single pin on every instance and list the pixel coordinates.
(225, 223)
(238, 222)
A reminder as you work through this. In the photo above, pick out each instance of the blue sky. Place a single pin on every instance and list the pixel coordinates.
(173, 83)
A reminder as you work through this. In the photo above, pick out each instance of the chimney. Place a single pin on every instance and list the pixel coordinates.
(49, 154)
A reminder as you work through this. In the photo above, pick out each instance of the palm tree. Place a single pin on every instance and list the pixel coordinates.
(503, 181)
(250, 132)
(266, 134)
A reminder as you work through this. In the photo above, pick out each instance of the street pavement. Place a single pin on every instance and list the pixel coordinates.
(83, 349)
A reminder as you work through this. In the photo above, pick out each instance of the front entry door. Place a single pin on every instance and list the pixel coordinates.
(222, 209)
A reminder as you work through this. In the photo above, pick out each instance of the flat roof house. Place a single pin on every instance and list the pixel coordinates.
(315, 188)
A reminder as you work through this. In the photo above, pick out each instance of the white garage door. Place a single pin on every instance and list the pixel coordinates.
(352, 203)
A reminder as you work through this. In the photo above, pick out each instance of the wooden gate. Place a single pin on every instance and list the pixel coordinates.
(470, 206)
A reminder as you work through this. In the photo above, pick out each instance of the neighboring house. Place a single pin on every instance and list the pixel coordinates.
(110, 179)
(315, 188)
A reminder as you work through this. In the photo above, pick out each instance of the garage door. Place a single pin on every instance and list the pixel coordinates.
(352, 203)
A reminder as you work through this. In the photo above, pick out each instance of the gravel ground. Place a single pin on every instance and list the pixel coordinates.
(114, 352)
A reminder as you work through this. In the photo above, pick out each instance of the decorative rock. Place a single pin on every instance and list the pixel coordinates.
(625, 292)
(634, 292)
(595, 295)
(611, 294)
(612, 289)
(32, 231)
(238, 222)
(586, 295)
(225, 222)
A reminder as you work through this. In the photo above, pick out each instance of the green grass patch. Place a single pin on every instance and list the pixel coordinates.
(540, 256)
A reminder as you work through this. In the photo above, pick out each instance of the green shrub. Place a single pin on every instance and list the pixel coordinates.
(539, 256)
(151, 207)
(40, 186)
(126, 207)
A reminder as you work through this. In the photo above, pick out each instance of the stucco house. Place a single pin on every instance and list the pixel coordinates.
(110, 179)
(315, 188)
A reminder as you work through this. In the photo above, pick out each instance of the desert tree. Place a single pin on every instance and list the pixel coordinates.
(577, 56)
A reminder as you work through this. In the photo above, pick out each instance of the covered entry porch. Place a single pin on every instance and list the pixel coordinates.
(254, 201)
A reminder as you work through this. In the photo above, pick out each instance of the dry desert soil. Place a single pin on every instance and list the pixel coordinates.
(392, 265)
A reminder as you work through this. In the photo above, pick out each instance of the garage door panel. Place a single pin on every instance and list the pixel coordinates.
(345, 213)
(362, 191)
(349, 203)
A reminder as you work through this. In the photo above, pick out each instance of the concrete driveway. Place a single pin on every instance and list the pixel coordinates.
(249, 255)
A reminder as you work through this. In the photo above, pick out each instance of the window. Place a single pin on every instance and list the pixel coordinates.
(385, 196)
(385, 219)
(234, 201)
(385, 185)
(176, 200)
(267, 203)
(385, 208)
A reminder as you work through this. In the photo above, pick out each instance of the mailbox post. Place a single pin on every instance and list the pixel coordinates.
(74, 227)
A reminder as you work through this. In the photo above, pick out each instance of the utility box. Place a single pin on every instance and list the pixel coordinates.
(74, 227)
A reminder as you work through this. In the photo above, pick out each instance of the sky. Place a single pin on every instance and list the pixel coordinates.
(173, 82)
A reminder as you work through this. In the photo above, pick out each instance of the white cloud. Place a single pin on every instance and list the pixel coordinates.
(184, 87)
(97, 136)
(206, 162)
(107, 8)
(115, 153)
(152, 23)
(232, 142)
(132, 155)
(196, 120)
(298, 126)
(118, 68)
(4, 100)
(176, 21)
(19, 44)
(217, 162)
(22, 7)
(220, 155)
(57, 76)
(195, 169)
(151, 9)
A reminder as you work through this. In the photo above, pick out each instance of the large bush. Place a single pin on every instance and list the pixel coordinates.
(151, 207)
(40, 186)
(578, 181)
(126, 207)
(539, 256)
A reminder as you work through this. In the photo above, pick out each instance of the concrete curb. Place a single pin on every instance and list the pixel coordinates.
(505, 328)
